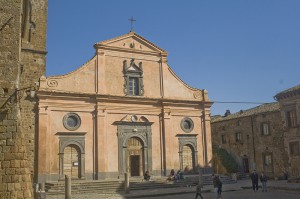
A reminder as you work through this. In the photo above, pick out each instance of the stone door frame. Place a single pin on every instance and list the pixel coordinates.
(71, 138)
(190, 140)
(127, 130)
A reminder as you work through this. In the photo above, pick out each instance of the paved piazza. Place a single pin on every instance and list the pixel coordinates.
(245, 194)
(242, 194)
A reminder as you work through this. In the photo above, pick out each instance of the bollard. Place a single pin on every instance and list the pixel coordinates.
(42, 191)
(127, 187)
(68, 194)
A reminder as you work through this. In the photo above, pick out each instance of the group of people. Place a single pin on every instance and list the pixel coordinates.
(218, 184)
(175, 176)
(217, 187)
(263, 179)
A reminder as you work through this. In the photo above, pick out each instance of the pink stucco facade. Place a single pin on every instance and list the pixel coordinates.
(99, 95)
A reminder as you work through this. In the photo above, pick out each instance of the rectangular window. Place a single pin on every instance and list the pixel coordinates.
(238, 137)
(265, 129)
(133, 86)
(294, 148)
(223, 139)
(291, 118)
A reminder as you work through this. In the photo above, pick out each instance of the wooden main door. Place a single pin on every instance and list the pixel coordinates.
(135, 165)
(135, 157)
(187, 158)
(71, 161)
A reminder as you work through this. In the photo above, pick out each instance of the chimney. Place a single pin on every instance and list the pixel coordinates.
(227, 113)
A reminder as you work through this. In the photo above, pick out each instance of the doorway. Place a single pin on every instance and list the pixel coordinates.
(245, 165)
(188, 159)
(72, 161)
(135, 165)
(135, 157)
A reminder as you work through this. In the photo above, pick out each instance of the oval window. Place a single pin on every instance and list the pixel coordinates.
(187, 124)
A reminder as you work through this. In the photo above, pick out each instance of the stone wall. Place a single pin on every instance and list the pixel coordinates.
(253, 144)
(33, 63)
(19, 69)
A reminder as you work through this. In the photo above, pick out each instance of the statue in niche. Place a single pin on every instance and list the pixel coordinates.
(28, 25)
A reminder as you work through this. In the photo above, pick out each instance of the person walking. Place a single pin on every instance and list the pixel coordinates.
(263, 180)
(219, 187)
(254, 179)
(198, 191)
(217, 183)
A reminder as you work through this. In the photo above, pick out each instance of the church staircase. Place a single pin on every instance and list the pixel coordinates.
(110, 186)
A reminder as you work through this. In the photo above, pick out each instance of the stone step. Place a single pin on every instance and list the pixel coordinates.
(243, 176)
(53, 188)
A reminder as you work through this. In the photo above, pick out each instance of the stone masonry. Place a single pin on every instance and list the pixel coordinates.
(253, 147)
(22, 62)
(289, 101)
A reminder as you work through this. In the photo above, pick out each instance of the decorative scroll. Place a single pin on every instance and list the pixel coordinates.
(52, 83)
(198, 95)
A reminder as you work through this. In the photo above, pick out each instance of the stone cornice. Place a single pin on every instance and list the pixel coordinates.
(34, 51)
(42, 94)
(292, 92)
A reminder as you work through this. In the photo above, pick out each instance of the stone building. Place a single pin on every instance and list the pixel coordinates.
(289, 101)
(254, 137)
(125, 110)
(22, 63)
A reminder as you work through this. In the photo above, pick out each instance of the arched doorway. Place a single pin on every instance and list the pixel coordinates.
(188, 160)
(135, 156)
(72, 165)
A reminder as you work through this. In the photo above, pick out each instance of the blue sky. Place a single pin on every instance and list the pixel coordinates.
(240, 51)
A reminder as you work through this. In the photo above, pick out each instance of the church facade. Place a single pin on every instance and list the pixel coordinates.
(124, 111)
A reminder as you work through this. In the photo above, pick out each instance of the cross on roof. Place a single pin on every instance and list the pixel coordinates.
(131, 21)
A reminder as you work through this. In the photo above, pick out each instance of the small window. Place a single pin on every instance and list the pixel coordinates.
(223, 139)
(294, 148)
(238, 137)
(239, 123)
(291, 118)
(265, 129)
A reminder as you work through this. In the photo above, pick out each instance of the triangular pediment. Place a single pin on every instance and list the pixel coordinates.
(131, 68)
(131, 41)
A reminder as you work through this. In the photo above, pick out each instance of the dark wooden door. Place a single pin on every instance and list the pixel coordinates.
(135, 165)
(246, 165)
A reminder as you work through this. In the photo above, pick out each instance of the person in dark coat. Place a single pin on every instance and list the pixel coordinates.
(219, 183)
(263, 180)
(254, 179)
(216, 184)
(198, 191)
